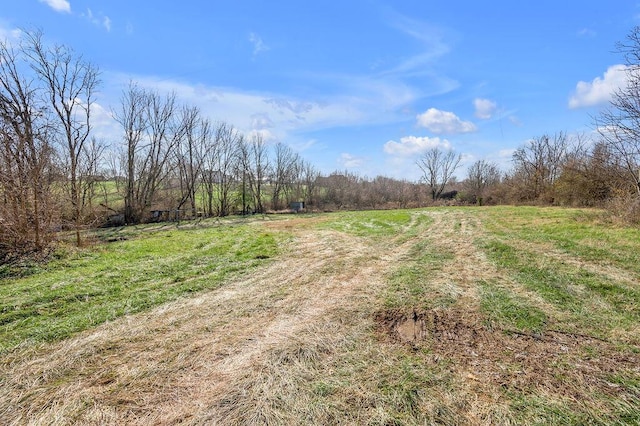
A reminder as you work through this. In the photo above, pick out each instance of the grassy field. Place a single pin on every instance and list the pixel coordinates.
(498, 315)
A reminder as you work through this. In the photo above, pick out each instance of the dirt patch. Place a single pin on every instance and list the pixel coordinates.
(555, 362)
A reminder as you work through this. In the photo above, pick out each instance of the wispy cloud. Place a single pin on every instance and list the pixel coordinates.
(444, 122)
(600, 89)
(277, 116)
(587, 33)
(9, 35)
(432, 38)
(413, 145)
(99, 20)
(349, 161)
(58, 5)
(106, 23)
(485, 108)
(258, 45)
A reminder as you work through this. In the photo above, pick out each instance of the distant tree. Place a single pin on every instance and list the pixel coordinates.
(254, 161)
(152, 130)
(481, 176)
(537, 166)
(283, 168)
(227, 145)
(590, 177)
(309, 178)
(190, 155)
(438, 168)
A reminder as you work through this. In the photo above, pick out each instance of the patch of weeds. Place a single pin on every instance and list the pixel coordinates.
(534, 410)
(323, 389)
(509, 311)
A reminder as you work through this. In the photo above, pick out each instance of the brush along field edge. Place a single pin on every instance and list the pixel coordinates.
(409, 320)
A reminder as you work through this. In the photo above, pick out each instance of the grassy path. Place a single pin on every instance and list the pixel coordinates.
(444, 316)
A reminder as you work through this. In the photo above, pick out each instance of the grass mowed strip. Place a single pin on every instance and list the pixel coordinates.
(81, 289)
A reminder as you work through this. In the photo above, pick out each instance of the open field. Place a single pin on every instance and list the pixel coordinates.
(437, 316)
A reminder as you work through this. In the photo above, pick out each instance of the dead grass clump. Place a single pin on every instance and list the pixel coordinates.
(624, 209)
(577, 368)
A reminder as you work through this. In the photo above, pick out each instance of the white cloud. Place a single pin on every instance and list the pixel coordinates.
(261, 121)
(106, 23)
(431, 37)
(440, 122)
(599, 90)
(411, 145)
(485, 108)
(9, 35)
(99, 21)
(506, 153)
(258, 44)
(587, 32)
(58, 5)
(349, 161)
(515, 121)
(286, 117)
(265, 134)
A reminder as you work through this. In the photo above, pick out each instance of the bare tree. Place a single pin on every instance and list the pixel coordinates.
(619, 125)
(538, 165)
(228, 141)
(481, 176)
(254, 158)
(70, 84)
(283, 164)
(26, 169)
(189, 155)
(310, 177)
(152, 130)
(438, 168)
(131, 116)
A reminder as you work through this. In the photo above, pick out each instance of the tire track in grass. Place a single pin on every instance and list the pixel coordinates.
(176, 362)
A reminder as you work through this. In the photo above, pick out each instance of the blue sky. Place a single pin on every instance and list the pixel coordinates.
(363, 85)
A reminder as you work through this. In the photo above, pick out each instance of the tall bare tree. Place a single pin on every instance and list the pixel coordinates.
(189, 155)
(131, 116)
(437, 168)
(254, 155)
(70, 84)
(619, 125)
(283, 166)
(309, 178)
(26, 169)
(225, 166)
(152, 128)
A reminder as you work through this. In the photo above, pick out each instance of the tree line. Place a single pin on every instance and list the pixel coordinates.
(55, 176)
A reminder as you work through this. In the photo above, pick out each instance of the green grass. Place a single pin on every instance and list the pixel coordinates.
(82, 289)
(410, 282)
(508, 311)
(580, 233)
(541, 273)
(372, 223)
(547, 282)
